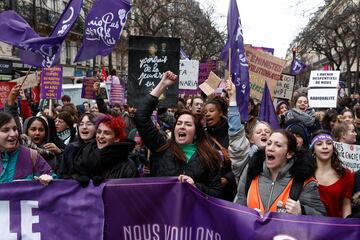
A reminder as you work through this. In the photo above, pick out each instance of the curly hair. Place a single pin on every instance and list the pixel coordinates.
(220, 104)
(117, 124)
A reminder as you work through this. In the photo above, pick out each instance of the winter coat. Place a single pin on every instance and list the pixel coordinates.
(164, 163)
(299, 169)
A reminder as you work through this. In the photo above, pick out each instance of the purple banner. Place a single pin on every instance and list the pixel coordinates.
(164, 208)
(87, 90)
(117, 94)
(51, 83)
(62, 210)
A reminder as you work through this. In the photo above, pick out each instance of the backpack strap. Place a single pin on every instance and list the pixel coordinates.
(296, 189)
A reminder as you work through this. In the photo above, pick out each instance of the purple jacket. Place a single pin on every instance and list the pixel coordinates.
(25, 168)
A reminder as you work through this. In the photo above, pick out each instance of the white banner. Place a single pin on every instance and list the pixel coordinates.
(324, 79)
(322, 97)
(189, 73)
(349, 154)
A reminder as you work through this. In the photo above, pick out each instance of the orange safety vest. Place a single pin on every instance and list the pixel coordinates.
(254, 198)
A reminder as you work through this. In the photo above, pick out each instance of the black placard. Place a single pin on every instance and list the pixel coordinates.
(6, 67)
(149, 58)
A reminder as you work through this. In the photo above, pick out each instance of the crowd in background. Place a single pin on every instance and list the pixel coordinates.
(204, 142)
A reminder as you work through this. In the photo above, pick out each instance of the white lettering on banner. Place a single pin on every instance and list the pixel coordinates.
(48, 53)
(65, 26)
(27, 221)
(101, 29)
(349, 155)
(5, 221)
(169, 232)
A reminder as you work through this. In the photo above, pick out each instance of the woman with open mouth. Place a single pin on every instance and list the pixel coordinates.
(280, 179)
(242, 147)
(15, 163)
(335, 181)
(106, 155)
(215, 112)
(188, 154)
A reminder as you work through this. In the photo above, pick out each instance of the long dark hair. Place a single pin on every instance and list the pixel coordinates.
(43, 122)
(336, 163)
(5, 118)
(209, 158)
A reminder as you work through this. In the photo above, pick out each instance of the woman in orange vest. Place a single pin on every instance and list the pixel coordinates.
(280, 179)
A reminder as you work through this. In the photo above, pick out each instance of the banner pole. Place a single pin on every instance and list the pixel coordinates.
(230, 63)
(27, 74)
(50, 107)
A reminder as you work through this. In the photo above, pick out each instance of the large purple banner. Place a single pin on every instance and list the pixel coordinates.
(163, 208)
(62, 210)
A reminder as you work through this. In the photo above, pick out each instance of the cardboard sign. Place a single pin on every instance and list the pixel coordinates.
(149, 58)
(5, 88)
(324, 79)
(284, 87)
(31, 81)
(263, 67)
(87, 90)
(189, 73)
(211, 84)
(349, 155)
(51, 83)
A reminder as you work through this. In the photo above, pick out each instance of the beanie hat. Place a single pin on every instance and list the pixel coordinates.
(279, 104)
(297, 127)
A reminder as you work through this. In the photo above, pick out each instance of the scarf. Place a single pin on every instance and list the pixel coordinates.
(307, 117)
(64, 135)
(189, 150)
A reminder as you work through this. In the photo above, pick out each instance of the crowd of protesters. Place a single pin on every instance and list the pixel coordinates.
(204, 142)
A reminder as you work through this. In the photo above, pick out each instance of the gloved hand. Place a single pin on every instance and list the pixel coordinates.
(82, 180)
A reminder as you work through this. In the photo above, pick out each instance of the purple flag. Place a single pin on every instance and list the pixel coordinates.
(239, 65)
(62, 210)
(297, 66)
(35, 50)
(103, 27)
(183, 54)
(267, 110)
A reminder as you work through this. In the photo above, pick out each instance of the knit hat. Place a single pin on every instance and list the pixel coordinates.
(279, 104)
(297, 127)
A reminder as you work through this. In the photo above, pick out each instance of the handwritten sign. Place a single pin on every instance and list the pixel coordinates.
(349, 155)
(87, 90)
(31, 81)
(211, 84)
(149, 58)
(5, 88)
(189, 72)
(263, 67)
(284, 87)
(51, 82)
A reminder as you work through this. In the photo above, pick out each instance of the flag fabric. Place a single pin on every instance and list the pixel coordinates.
(103, 27)
(103, 74)
(267, 110)
(239, 66)
(36, 50)
(297, 66)
(183, 55)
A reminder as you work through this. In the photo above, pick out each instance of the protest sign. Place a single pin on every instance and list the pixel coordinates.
(62, 210)
(349, 154)
(323, 89)
(87, 90)
(284, 87)
(263, 67)
(117, 94)
(189, 73)
(5, 88)
(31, 81)
(211, 84)
(149, 58)
(51, 82)
(324, 79)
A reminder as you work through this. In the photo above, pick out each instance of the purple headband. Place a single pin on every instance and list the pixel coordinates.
(320, 137)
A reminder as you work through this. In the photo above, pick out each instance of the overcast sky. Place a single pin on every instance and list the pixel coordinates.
(268, 23)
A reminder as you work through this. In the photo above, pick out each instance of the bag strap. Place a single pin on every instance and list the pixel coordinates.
(216, 142)
(296, 189)
(33, 156)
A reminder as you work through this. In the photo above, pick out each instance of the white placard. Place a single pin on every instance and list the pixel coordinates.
(284, 87)
(322, 98)
(349, 155)
(324, 79)
(189, 73)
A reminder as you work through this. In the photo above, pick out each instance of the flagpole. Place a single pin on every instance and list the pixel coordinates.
(27, 74)
(230, 63)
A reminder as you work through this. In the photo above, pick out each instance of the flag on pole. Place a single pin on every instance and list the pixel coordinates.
(239, 68)
(267, 110)
(183, 54)
(103, 27)
(297, 66)
(35, 50)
